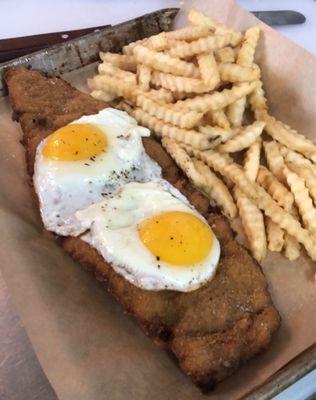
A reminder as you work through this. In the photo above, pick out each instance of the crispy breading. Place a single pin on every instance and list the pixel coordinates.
(43, 105)
(212, 330)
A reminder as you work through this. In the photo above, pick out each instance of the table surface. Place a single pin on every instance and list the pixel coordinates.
(21, 376)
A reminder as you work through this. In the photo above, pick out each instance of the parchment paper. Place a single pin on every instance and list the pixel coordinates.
(87, 347)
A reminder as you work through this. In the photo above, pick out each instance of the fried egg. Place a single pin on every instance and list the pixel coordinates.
(87, 160)
(153, 237)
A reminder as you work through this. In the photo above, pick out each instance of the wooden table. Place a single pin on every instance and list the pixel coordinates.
(21, 376)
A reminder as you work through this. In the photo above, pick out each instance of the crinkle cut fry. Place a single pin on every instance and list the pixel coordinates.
(296, 158)
(198, 18)
(243, 139)
(289, 137)
(292, 248)
(252, 160)
(248, 47)
(164, 62)
(166, 113)
(253, 224)
(114, 85)
(245, 58)
(225, 166)
(216, 100)
(280, 216)
(143, 76)
(251, 216)
(107, 68)
(161, 95)
(216, 189)
(274, 159)
(160, 129)
(225, 55)
(203, 45)
(103, 95)
(235, 112)
(122, 61)
(276, 163)
(218, 118)
(189, 33)
(257, 100)
(183, 161)
(302, 199)
(201, 177)
(157, 42)
(128, 49)
(217, 132)
(275, 188)
(306, 173)
(208, 70)
(230, 72)
(179, 83)
(275, 235)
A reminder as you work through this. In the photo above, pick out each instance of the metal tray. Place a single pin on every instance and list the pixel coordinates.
(77, 53)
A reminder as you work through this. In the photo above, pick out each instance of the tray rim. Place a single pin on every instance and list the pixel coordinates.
(286, 376)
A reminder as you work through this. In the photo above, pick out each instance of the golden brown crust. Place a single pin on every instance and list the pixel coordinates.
(211, 330)
(42, 105)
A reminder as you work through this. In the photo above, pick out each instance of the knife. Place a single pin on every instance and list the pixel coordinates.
(16, 47)
(280, 17)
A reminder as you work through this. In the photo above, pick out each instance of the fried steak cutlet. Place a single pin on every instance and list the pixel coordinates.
(212, 330)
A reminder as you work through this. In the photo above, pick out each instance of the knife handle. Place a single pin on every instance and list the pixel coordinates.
(16, 47)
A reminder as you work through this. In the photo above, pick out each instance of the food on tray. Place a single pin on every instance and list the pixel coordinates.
(216, 105)
(307, 175)
(275, 188)
(202, 177)
(152, 237)
(82, 162)
(225, 165)
(250, 214)
(291, 247)
(127, 211)
(253, 223)
(275, 235)
(211, 330)
(302, 199)
(243, 138)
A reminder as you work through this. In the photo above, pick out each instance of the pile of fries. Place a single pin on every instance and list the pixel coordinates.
(200, 91)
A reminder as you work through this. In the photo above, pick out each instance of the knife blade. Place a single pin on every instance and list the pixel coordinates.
(280, 17)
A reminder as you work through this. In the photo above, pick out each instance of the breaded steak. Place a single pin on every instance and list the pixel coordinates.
(212, 330)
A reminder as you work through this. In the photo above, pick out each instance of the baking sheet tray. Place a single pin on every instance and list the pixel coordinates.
(77, 53)
(85, 345)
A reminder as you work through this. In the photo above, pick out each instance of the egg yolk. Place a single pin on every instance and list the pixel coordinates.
(177, 237)
(75, 142)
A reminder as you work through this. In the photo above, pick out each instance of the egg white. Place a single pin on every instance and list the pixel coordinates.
(63, 187)
(111, 228)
